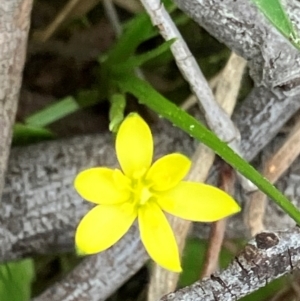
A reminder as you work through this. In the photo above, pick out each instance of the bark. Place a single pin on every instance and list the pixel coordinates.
(14, 26)
(273, 61)
(104, 272)
(266, 257)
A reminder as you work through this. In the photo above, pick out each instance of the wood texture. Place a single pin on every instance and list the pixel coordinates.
(273, 62)
(267, 257)
(14, 26)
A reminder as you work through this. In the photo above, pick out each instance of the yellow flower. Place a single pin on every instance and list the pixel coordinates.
(144, 191)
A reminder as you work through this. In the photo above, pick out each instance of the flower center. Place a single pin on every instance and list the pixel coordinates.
(145, 195)
(141, 193)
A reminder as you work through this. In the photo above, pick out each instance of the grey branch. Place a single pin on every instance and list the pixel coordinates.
(98, 276)
(14, 26)
(266, 257)
(189, 68)
(273, 61)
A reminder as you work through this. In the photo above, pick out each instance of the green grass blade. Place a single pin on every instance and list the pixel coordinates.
(116, 111)
(138, 30)
(276, 14)
(53, 112)
(24, 134)
(155, 101)
(87, 98)
(138, 60)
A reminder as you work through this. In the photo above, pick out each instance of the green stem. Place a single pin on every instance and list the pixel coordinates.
(155, 101)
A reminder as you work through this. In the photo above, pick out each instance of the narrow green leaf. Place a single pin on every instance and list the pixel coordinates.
(138, 30)
(155, 101)
(24, 134)
(276, 14)
(15, 280)
(139, 60)
(87, 98)
(53, 112)
(116, 112)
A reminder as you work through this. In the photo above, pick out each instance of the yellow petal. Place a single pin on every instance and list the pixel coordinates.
(168, 171)
(198, 202)
(103, 226)
(158, 237)
(134, 146)
(98, 185)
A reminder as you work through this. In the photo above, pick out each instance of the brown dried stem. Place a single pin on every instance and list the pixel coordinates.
(217, 231)
(274, 167)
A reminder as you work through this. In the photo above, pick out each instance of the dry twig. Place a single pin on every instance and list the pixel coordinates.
(274, 167)
(215, 116)
(266, 257)
(14, 26)
(217, 231)
(77, 8)
(133, 6)
(112, 16)
(67, 10)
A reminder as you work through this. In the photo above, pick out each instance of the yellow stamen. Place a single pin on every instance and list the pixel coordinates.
(145, 195)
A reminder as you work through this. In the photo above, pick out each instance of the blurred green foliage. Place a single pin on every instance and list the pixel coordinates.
(15, 280)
